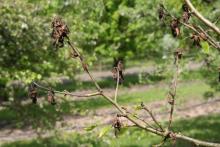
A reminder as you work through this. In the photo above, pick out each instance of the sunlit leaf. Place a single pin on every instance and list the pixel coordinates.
(104, 131)
(90, 128)
(205, 47)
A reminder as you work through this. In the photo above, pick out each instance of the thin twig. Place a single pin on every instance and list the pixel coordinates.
(209, 37)
(210, 40)
(83, 63)
(134, 115)
(152, 116)
(172, 92)
(116, 89)
(66, 92)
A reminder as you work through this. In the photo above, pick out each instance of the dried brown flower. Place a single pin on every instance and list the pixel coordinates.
(177, 55)
(120, 69)
(50, 97)
(117, 125)
(161, 12)
(203, 36)
(116, 70)
(174, 25)
(170, 100)
(196, 40)
(185, 8)
(60, 31)
(73, 54)
(186, 16)
(32, 92)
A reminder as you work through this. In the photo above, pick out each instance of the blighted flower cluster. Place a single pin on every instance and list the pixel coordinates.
(33, 94)
(59, 32)
(175, 23)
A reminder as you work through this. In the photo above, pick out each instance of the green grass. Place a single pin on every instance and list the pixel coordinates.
(106, 64)
(206, 128)
(29, 114)
(108, 82)
(44, 115)
(130, 80)
(184, 92)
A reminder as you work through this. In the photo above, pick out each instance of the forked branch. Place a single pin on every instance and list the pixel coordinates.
(202, 18)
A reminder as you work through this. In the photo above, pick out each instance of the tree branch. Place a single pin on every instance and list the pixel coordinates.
(116, 89)
(134, 115)
(84, 65)
(152, 116)
(66, 92)
(196, 141)
(210, 40)
(202, 18)
(172, 92)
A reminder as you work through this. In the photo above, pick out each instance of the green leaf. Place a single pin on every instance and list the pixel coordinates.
(205, 47)
(137, 107)
(104, 130)
(90, 128)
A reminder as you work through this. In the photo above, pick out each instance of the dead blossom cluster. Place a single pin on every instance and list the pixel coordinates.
(59, 32)
(186, 13)
(175, 23)
(33, 94)
(117, 125)
(117, 72)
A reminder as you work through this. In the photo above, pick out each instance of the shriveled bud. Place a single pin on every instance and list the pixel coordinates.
(117, 126)
(74, 54)
(196, 40)
(60, 31)
(185, 8)
(177, 55)
(203, 36)
(118, 72)
(186, 17)
(32, 92)
(50, 97)
(161, 12)
(114, 73)
(174, 25)
(170, 100)
(120, 69)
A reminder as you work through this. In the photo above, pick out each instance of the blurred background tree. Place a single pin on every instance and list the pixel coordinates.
(104, 30)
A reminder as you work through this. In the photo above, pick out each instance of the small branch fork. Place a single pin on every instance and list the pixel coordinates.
(198, 30)
(165, 133)
(202, 18)
(152, 116)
